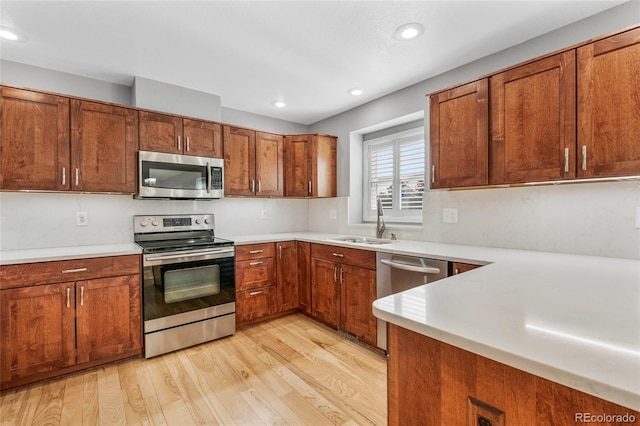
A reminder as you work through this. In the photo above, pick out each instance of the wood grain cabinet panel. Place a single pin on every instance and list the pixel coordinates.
(253, 274)
(358, 292)
(202, 138)
(254, 305)
(35, 140)
(460, 268)
(269, 164)
(239, 161)
(304, 276)
(310, 165)
(533, 110)
(608, 106)
(104, 142)
(287, 275)
(459, 129)
(325, 292)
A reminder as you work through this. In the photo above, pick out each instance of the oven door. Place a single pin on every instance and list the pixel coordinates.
(187, 287)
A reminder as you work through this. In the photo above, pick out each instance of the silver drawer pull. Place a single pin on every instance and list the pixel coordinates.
(68, 295)
(255, 293)
(82, 296)
(64, 176)
(256, 263)
(433, 173)
(338, 254)
(179, 143)
(71, 271)
(566, 160)
(255, 251)
(188, 147)
(584, 157)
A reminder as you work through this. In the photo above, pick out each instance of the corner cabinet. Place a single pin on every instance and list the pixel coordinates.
(253, 162)
(56, 143)
(533, 121)
(177, 135)
(63, 316)
(609, 106)
(310, 165)
(343, 289)
(459, 134)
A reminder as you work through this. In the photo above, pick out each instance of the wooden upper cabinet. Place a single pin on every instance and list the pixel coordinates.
(269, 164)
(239, 161)
(533, 110)
(310, 165)
(459, 134)
(609, 106)
(35, 140)
(176, 135)
(104, 142)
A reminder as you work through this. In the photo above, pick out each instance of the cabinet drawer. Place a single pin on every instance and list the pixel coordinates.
(255, 251)
(349, 256)
(29, 274)
(252, 274)
(254, 304)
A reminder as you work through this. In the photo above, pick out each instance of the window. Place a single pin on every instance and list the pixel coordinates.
(394, 172)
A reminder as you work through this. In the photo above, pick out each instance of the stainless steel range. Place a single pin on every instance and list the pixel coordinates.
(189, 281)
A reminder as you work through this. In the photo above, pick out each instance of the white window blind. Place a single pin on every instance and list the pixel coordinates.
(394, 172)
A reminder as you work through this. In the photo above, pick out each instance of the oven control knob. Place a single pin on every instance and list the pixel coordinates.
(198, 221)
(155, 223)
(207, 221)
(144, 223)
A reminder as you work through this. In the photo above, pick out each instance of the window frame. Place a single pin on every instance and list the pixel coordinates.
(394, 215)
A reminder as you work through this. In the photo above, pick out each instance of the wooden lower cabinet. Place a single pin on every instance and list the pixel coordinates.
(255, 282)
(343, 288)
(431, 383)
(304, 276)
(54, 328)
(252, 305)
(459, 267)
(287, 275)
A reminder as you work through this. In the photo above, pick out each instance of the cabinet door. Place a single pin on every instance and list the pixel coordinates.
(297, 166)
(459, 130)
(325, 294)
(160, 133)
(239, 161)
(35, 140)
(104, 142)
(608, 106)
(324, 166)
(109, 317)
(252, 305)
(287, 268)
(533, 124)
(37, 330)
(358, 292)
(202, 138)
(269, 164)
(253, 274)
(304, 276)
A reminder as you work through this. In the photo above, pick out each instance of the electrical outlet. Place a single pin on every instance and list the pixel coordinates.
(82, 219)
(333, 214)
(263, 215)
(638, 217)
(450, 215)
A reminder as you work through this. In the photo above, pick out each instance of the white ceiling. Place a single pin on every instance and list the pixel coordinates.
(308, 53)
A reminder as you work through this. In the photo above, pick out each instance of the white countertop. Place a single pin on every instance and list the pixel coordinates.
(8, 257)
(571, 319)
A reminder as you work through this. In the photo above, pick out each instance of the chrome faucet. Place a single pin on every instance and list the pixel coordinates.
(380, 227)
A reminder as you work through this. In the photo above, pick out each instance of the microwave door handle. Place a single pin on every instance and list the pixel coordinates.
(208, 178)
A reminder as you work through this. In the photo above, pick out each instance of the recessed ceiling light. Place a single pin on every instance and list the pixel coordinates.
(279, 104)
(409, 31)
(10, 34)
(355, 91)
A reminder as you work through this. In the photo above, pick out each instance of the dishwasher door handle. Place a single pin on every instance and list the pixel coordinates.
(405, 267)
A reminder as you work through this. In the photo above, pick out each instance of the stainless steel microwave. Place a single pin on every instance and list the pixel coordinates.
(175, 176)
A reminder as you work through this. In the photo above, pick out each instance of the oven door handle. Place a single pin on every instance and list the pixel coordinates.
(193, 255)
(411, 268)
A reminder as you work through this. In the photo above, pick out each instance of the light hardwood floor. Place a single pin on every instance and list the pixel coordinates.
(287, 371)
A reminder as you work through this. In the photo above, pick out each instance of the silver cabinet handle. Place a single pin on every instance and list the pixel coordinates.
(335, 274)
(64, 176)
(68, 295)
(82, 296)
(566, 160)
(433, 173)
(341, 278)
(280, 251)
(77, 176)
(253, 185)
(179, 143)
(255, 293)
(71, 271)
(338, 254)
(584, 157)
(255, 251)
(260, 262)
(259, 185)
(208, 177)
(188, 144)
(411, 268)
(309, 187)
(456, 271)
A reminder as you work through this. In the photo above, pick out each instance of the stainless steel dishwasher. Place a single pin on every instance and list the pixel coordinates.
(396, 273)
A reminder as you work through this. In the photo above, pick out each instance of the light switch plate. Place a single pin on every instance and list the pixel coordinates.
(82, 219)
(450, 215)
(263, 215)
(333, 214)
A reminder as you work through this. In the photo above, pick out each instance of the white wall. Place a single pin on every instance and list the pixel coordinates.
(595, 219)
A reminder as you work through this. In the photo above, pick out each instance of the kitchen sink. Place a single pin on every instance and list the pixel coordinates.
(364, 240)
